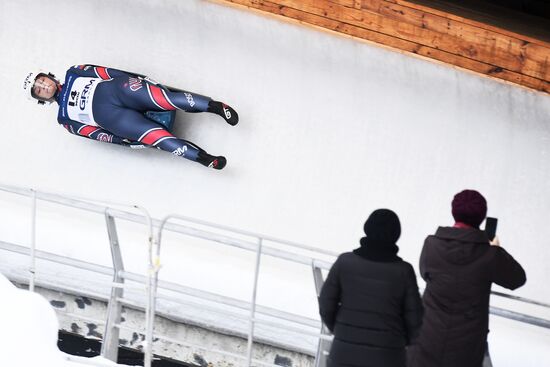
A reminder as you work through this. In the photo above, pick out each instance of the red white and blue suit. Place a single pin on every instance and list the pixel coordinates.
(108, 105)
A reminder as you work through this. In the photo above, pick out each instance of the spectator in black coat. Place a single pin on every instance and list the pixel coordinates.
(370, 300)
(459, 265)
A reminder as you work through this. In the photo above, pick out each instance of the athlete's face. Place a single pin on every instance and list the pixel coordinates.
(44, 87)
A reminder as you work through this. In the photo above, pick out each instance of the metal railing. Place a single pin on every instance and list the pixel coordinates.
(256, 244)
(116, 300)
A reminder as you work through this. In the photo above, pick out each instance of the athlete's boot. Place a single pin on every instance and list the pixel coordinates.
(225, 111)
(211, 161)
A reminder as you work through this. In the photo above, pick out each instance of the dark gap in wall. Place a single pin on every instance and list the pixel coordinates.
(77, 345)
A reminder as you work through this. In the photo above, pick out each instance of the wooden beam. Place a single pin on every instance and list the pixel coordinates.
(430, 35)
(502, 49)
(454, 14)
(422, 28)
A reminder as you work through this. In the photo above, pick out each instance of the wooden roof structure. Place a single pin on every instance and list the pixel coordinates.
(497, 42)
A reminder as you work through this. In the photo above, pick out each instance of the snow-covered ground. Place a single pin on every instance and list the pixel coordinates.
(331, 129)
(29, 332)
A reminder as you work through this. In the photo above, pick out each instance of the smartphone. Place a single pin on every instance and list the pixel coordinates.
(491, 227)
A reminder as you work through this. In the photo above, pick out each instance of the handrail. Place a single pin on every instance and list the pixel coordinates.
(227, 301)
(178, 228)
(170, 286)
(84, 205)
(79, 264)
(256, 235)
(105, 270)
(32, 266)
(520, 299)
(256, 245)
(526, 319)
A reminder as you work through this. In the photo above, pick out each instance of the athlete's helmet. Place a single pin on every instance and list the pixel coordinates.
(29, 83)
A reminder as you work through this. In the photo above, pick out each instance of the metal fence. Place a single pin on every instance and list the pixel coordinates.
(256, 243)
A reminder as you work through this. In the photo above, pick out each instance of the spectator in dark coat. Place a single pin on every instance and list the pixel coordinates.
(370, 300)
(459, 265)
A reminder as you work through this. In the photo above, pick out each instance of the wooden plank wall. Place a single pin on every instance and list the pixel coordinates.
(431, 33)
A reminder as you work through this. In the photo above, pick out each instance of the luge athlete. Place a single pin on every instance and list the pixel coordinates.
(109, 105)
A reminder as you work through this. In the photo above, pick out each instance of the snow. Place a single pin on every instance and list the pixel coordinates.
(29, 332)
(514, 344)
(331, 129)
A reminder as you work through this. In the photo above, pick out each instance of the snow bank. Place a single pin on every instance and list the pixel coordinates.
(29, 332)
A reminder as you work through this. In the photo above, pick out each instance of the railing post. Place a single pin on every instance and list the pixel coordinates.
(253, 303)
(323, 347)
(109, 347)
(152, 280)
(152, 270)
(32, 268)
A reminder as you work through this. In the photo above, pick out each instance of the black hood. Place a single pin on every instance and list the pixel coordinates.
(461, 245)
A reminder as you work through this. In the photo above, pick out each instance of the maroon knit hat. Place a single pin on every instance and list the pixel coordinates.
(469, 207)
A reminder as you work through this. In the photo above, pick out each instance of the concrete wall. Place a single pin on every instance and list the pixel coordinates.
(198, 346)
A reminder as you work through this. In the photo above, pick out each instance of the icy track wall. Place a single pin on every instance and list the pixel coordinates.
(330, 129)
